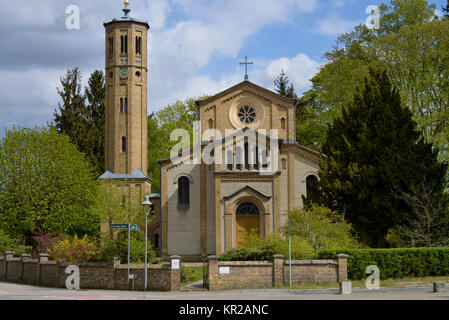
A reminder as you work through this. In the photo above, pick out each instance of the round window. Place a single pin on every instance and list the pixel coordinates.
(247, 115)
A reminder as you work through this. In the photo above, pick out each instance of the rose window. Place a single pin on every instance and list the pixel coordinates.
(247, 115)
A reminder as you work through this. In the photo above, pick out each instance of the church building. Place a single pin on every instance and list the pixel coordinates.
(204, 208)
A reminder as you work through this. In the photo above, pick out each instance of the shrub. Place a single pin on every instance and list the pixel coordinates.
(73, 250)
(264, 249)
(394, 263)
(322, 228)
(246, 254)
(118, 247)
(9, 244)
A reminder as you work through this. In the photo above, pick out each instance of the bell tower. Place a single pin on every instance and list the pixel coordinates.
(126, 114)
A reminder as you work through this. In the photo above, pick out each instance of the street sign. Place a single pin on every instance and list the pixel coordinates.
(134, 227)
(132, 277)
(118, 226)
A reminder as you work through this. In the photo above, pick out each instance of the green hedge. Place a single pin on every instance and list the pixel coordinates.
(394, 263)
(247, 254)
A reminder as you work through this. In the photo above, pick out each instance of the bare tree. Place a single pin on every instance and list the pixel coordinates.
(428, 211)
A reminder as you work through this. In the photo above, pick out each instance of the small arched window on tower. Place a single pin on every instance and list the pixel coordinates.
(138, 45)
(283, 123)
(211, 124)
(123, 144)
(111, 46)
(126, 105)
(183, 192)
(124, 44)
(311, 184)
(121, 105)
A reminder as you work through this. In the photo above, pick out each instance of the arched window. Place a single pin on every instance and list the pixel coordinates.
(111, 46)
(311, 184)
(211, 124)
(283, 123)
(247, 208)
(246, 156)
(126, 105)
(138, 45)
(230, 160)
(183, 192)
(238, 158)
(121, 105)
(123, 144)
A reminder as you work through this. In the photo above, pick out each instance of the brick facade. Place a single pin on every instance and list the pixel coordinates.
(222, 275)
(112, 275)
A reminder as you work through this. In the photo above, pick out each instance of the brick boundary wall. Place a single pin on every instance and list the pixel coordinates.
(222, 275)
(93, 275)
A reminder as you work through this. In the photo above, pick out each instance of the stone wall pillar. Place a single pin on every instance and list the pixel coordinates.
(212, 267)
(8, 256)
(42, 257)
(278, 270)
(175, 274)
(342, 260)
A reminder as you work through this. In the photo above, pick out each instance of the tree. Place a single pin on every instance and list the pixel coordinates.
(161, 124)
(428, 224)
(372, 147)
(81, 121)
(284, 87)
(95, 94)
(120, 203)
(414, 47)
(46, 185)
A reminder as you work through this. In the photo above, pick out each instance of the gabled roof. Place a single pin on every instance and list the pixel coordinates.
(250, 188)
(137, 174)
(243, 84)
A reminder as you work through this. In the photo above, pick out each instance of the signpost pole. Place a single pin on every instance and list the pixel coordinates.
(129, 246)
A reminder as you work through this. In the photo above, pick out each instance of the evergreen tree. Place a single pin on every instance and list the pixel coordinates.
(70, 117)
(284, 87)
(95, 94)
(373, 148)
(83, 122)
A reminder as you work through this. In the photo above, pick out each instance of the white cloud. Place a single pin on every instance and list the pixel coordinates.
(334, 25)
(180, 46)
(299, 69)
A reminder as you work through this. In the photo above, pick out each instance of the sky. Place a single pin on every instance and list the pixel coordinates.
(195, 46)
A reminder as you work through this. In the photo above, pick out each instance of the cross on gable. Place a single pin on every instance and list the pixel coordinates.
(246, 63)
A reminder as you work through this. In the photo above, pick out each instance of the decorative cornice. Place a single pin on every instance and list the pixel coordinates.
(245, 176)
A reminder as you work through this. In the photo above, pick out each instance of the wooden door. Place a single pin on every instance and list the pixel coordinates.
(246, 223)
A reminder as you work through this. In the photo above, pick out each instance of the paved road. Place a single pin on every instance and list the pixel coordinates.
(10, 291)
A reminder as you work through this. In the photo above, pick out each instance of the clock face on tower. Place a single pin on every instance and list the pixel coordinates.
(123, 73)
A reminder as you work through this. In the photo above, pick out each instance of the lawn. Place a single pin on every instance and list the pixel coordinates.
(191, 275)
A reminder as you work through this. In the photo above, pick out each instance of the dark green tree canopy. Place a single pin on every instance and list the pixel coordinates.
(81, 116)
(373, 148)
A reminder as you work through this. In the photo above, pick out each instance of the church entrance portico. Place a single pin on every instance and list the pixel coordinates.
(247, 210)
